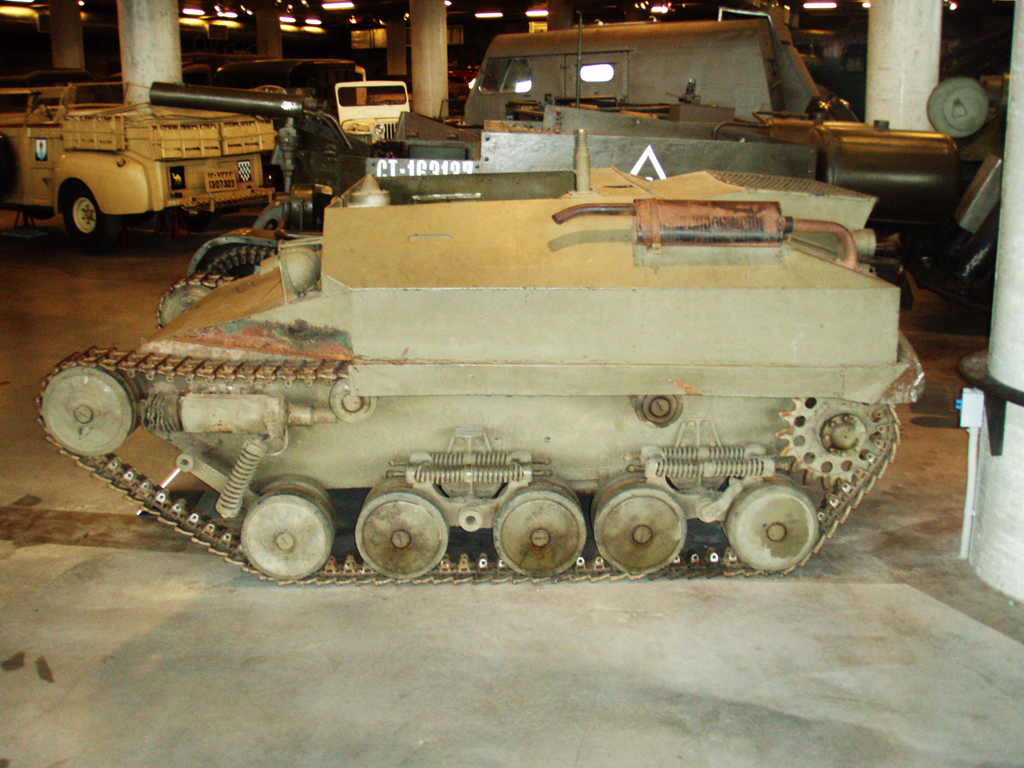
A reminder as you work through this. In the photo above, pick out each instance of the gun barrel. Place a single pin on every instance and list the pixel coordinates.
(230, 100)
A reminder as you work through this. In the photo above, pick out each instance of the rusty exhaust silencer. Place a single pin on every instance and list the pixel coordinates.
(716, 223)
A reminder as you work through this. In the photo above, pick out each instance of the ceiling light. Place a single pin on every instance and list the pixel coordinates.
(313, 22)
(489, 15)
(337, 5)
(536, 12)
(952, 6)
(659, 9)
(227, 14)
(287, 19)
(22, 1)
(866, 4)
(818, 5)
(193, 11)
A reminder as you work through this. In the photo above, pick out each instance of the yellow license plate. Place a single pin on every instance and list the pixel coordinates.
(220, 181)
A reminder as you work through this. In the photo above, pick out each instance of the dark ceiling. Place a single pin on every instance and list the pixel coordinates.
(594, 11)
(27, 47)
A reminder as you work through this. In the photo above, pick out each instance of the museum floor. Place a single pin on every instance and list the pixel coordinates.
(123, 645)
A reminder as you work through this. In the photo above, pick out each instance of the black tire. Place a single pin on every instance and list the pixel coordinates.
(88, 227)
(8, 173)
(199, 221)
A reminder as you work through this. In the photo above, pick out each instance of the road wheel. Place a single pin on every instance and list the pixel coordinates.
(89, 228)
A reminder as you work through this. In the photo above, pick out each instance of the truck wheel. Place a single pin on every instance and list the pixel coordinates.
(7, 171)
(89, 228)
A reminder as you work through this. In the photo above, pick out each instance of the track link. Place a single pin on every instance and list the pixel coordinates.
(844, 496)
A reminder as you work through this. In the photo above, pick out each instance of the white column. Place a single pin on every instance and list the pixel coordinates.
(268, 33)
(66, 35)
(997, 549)
(428, 30)
(150, 45)
(395, 31)
(904, 38)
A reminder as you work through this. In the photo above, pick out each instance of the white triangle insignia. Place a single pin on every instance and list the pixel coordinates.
(648, 154)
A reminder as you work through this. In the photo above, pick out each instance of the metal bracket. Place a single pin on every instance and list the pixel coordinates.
(974, 368)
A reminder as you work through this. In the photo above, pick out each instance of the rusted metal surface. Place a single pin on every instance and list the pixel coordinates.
(692, 222)
(296, 339)
(810, 226)
(697, 222)
(686, 222)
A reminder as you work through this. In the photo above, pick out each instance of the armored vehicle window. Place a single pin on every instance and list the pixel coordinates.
(597, 73)
(506, 76)
(518, 78)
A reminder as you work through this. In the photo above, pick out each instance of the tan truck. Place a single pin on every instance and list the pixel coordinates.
(78, 151)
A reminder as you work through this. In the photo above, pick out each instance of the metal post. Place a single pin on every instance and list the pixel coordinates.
(904, 39)
(997, 545)
(150, 46)
(579, 56)
(428, 31)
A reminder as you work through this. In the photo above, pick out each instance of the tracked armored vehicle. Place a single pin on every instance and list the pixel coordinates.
(701, 357)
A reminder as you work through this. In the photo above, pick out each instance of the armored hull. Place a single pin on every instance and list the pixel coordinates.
(694, 353)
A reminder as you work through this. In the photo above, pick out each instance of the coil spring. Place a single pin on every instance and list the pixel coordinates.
(229, 503)
(427, 473)
(486, 459)
(695, 470)
(705, 452)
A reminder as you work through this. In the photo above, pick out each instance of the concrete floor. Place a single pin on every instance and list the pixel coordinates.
(122, 645)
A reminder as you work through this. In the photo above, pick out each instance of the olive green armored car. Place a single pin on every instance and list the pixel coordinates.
(692, 375)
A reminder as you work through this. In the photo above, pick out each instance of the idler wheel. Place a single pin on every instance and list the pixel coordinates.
(772, 527)
(539, 530)
(88, 411)
(639, 528)
(401, 533)
(288, 534)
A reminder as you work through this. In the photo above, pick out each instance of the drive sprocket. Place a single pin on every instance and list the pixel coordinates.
(834, 440)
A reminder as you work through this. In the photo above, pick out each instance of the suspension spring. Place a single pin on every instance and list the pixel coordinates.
(429, 474)
(485, 459)
(754, 466)
(229, 503)
(705, 452)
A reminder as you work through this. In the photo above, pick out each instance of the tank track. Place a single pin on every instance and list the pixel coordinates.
(224, 542)
(219, 270)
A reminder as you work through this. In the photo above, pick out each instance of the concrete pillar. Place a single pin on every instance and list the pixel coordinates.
(428, 28)
(268, 33)
(997, 547)
(904, 38)
(397, 64)
(561, 15)
(150, 45)
(66, 34)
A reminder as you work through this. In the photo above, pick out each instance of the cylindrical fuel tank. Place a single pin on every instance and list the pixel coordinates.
(914, 174)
